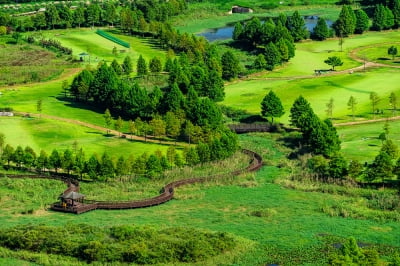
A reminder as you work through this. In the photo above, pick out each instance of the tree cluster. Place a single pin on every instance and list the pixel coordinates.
(191, 94)
(273, 39)
(119, 244)
(319, 136)
(137, 15)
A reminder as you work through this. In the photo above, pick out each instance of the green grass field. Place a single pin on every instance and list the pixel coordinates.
(361, 142)
(99, 48)
(46, 134)
(291, 80)
(291, 231)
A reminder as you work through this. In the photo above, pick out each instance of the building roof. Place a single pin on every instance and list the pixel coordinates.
(72, 195)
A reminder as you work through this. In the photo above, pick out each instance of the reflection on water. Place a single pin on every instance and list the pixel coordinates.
(225, 33)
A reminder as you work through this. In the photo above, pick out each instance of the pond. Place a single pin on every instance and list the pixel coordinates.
(225, 33)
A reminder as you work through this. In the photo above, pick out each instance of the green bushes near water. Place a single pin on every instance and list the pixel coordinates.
(142, 245)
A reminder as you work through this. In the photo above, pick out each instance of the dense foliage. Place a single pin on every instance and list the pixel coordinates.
(273, 39)
(126, 243)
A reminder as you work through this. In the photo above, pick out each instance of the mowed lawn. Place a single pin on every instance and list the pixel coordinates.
(361, 142)
(297, 77)
(249, 94)
(46, 134)
(100, 48)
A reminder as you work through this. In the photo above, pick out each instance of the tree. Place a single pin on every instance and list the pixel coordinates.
(118, 125)
(42, 161)
(7, 154)
(2, 143)
(383, 18)
(93, 12)
(39, 106)
(272, 56)
(297, 27)
(127, 65)
(173, 125)
(333, 61)
(393, 102)
(158, 126)
(55, 160)
(338, 166)
(39, 20)
(230, 66)
(392, 50)
(381, 168)
(107, 169)
(329, 108)
(259, 62)
(346, 23)
(396, 13)
(374, 98)
(141, 67)
(117, 68)
(321, 30)
(362, 21)
(67, 161)
(132, 128)
(52, 17)
(237, 31)
(271, 106)
(351, 104)
(299, 108)
(65, 87)
(79, 16)
(108, 119)
(155, 65)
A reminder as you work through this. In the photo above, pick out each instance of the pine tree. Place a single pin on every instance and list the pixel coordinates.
(230, 66)
(321, 30)
(379, 18)
(127, 65)
(271, 106)
(297, 27)
(141, 67)
(300, 106)
(362, 21)
(272, 56)
(346, 23)
(351, 104)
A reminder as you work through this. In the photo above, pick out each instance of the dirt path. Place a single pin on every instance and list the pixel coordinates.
(149, 139)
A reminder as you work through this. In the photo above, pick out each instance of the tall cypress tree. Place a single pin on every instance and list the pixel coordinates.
(141, 66)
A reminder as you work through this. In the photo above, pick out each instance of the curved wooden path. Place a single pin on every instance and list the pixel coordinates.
(166, 195)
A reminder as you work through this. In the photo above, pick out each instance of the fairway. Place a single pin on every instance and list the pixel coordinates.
(100, 48)
(46, 134)
(297, 78)
(361, 142)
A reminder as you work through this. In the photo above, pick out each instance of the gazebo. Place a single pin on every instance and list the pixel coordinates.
(83, 55)
(71, 199)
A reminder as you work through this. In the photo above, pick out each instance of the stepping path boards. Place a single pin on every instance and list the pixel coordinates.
(72, 201)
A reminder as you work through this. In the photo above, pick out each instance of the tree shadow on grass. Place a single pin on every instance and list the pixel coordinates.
(70, 102)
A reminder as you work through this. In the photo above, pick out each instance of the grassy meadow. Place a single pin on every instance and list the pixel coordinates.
(283, 225)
